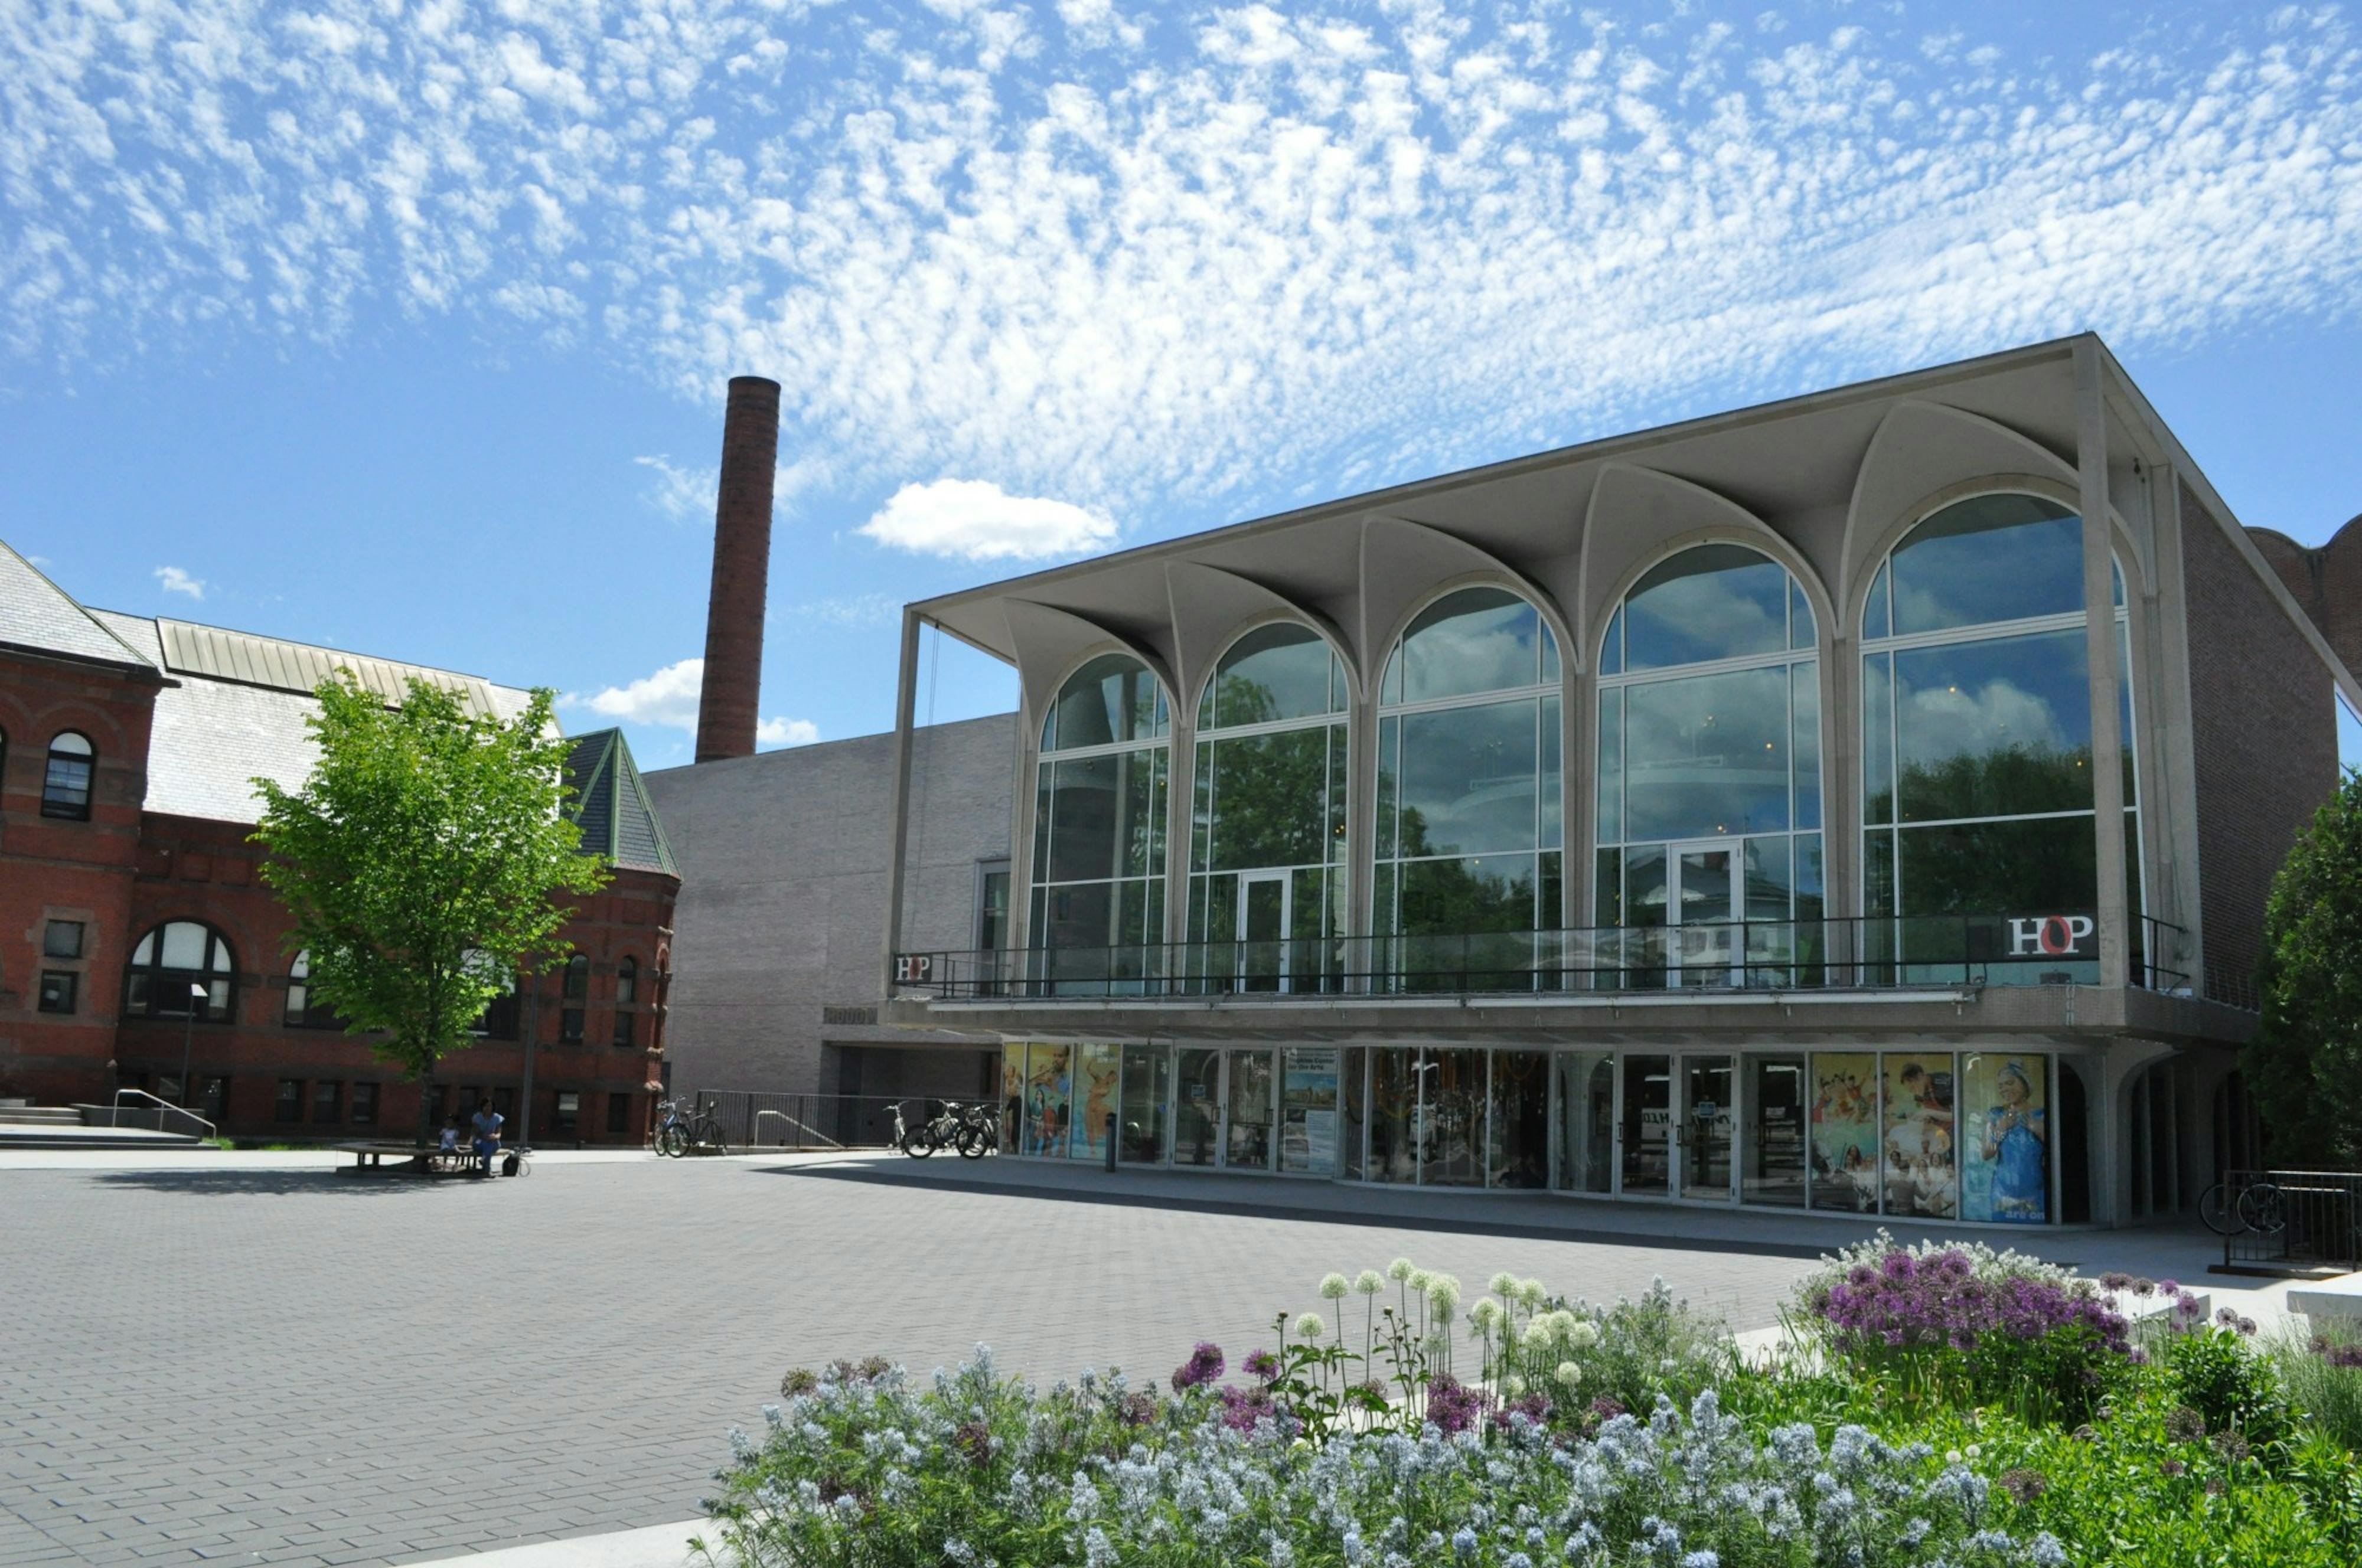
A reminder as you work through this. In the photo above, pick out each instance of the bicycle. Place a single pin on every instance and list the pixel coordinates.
(677, 1134)
(967, 1128)
(2257, 1206)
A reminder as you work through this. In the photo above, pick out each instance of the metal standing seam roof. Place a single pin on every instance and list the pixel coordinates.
(225, 655)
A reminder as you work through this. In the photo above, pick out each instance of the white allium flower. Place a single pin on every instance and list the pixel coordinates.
(1584, 1334)
(1419, 1279)
(1531, 1293)
(1513, 1386)
(1443, 1293)
(1308, 1326)
(1487, 1315)
(1503, 1284)
(1333, 1286)
(1539, 1334)
(1401, 1269)
(1369, 1282)
(1569, 1374)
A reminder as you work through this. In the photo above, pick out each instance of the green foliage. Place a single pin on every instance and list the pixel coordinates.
(1656, 1345)
(2215, 1373)
(2304, 1065)
(422, 862)
(2322, 1378)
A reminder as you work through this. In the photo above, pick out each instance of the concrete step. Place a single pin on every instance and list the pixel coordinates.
(49, 1136)
(39, 1116)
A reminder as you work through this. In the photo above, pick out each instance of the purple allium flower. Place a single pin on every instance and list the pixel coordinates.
(2338, 1355)
(974, 1442)
(1535, 1406)
(2025, 1485)
(1204, 1366)
(1263, 1364)
(2185, 1425)
(2174, 1467)
(1452, 1406)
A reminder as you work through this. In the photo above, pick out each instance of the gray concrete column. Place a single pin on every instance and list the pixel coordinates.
(2100, 642)
(905, 698)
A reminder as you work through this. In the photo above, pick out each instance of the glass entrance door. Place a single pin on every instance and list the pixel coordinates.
(1197, 1108)
(1645, 1134)
(1703, 902)
(1708, 1118)
(1263, 931)
(1247, 1133)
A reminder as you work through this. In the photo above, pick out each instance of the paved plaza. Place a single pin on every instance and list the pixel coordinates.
(259, 1359)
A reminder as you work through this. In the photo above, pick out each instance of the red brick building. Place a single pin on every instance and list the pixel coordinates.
(135, 932)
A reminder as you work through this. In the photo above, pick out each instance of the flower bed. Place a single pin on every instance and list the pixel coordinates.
(1534, 1430)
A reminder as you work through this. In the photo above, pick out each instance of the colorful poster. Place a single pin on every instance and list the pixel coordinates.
(1097, 1072)
(1845, 1132)
(2005, 1138)
(1049, 1097)
(1920, 1137)
(1012, 1098)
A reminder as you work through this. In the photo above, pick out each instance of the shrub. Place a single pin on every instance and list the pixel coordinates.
(2322, 1379)
(976, 1469)
(2231, 1387)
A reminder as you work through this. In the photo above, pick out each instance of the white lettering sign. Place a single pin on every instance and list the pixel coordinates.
(2050, 936)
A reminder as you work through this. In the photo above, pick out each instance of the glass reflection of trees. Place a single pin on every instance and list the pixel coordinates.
(1729, 753)
(1977, 735)
(1469, 835)
(1098, 828)
(1270, 798)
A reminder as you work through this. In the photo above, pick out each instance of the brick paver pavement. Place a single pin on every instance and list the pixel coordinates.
(293, 1366)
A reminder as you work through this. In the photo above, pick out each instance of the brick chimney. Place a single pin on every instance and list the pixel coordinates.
(742, 565)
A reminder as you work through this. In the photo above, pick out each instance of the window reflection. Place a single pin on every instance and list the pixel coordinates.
(1690, 763)
(1099, 831)
(1469, 796)
(1268, 828)
(1977, 743)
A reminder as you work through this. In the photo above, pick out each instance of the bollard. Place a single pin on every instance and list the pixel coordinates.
(1110, 1143)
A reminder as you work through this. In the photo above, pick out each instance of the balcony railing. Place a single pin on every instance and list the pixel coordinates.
(1882, 952)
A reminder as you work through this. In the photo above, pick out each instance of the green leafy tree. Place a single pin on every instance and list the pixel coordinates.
(423, 864)
(2304, 1065)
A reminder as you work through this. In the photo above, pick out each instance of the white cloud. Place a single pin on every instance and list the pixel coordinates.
(175, 580)
(687, 493)
(1280, 252)
(854, 610)
(786, 731)
(976, 520)
(668, 698)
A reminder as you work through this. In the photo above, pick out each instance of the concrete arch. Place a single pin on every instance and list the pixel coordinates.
(1052, 644)
(1223, 606)
(1658, 515)
(2121, 543)
(1418, 565)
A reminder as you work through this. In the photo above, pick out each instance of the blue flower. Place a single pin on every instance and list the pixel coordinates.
(1464, 1542)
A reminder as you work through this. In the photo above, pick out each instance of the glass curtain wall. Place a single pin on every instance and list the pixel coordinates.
(1470, 842)
(1098, 830)
(1978, 800)
(1267, 841)
(1709, 801)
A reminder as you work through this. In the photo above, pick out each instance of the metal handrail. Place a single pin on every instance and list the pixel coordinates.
(1859, 952)
(115, 1111)
(757, 1139)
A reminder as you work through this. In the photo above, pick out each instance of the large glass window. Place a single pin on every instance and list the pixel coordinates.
(1099, 831)
(1709, 815)
(1977, 798)
(1469, 840)
(179, 968)
(303, 1010)
(1267, 841)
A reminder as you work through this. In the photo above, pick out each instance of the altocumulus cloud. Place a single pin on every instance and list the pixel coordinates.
(668, 698)
(976, 520)
(1132, 255)
(173, 580)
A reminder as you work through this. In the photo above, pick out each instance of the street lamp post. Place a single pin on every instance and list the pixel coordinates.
(198, 996)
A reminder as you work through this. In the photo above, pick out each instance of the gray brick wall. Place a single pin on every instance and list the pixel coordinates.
(2264, 732)
(783, 859)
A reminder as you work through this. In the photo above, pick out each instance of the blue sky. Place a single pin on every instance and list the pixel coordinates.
(405, 328)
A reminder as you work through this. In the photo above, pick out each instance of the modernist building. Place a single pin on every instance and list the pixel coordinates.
(1863, 802)
(132, 929)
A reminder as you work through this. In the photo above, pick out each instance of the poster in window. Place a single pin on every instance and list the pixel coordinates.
(2005, 1139)
(1097, 1069)
(1920, 1137)
(1048, 1099)
(1845, 1132)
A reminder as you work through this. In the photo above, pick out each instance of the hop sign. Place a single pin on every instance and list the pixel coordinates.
(913, 968)
(2052, 936)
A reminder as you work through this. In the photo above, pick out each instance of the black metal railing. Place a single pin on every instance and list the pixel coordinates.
(2291, 1221)
(1876, 953)
(751, 1119)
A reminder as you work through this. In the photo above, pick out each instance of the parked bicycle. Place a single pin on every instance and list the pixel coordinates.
(2256, 1206)
(970, 1130)
(677, 1134)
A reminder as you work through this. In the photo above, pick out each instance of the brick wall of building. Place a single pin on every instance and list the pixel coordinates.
(2264, 738)
(2326, 580)
(78, 872)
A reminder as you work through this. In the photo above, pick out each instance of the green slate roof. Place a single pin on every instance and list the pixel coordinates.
(612, 806)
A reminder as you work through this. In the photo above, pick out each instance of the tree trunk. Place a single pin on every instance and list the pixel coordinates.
(426, 1110)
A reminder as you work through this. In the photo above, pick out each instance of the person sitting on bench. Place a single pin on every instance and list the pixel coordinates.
(487, 1123)
(450, 1145)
